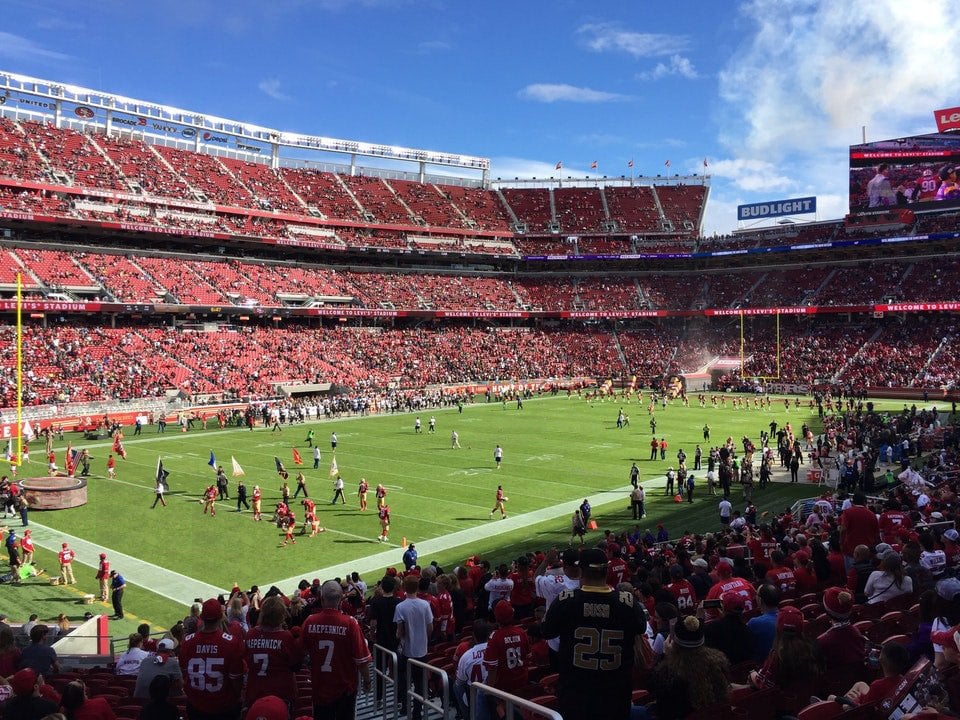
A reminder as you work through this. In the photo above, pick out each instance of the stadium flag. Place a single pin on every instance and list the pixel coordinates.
(28, 434)
(162, 474)
(630, 163)
(593, 165)
(212, 462)
(667, 164)
(334, 470)
(560, 165)
(705, 162)
(74, 456)
(237, 470)
(297, 460)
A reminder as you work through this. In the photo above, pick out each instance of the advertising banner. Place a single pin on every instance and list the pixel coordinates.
(777, 208)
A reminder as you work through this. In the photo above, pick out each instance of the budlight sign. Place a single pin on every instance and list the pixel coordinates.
(777, 208)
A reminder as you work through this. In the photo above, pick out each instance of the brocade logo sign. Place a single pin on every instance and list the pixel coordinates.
(948, 120)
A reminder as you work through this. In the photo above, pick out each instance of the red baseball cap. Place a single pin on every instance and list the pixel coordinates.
(732, 602)
(790, 618)
(211, 611)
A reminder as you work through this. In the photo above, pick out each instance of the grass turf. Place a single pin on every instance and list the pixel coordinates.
(555, 450)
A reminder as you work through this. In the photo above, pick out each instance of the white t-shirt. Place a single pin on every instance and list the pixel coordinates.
(129, 662)
(881, 587)
(470, 668)
(549, 588)
(417, 619)
(499, 589)
(725, 508)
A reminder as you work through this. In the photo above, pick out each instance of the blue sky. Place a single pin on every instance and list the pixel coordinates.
(770, 92)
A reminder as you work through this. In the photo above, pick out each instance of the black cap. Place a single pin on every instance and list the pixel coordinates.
(593, 558)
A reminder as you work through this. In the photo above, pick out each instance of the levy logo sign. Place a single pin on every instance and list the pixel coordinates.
(777, 208)
(947, 120)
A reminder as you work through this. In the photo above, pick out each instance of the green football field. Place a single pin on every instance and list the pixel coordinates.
(556, 452)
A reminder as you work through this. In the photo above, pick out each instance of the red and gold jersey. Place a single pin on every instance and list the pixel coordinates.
(337, 648)
(272, 659)
(507, 651)
(212, 666)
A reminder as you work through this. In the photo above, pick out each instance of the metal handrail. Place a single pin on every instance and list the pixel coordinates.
(512, 702)
(440, 704)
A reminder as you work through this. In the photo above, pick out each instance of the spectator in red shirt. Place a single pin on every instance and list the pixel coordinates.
(273, 655)
(77, 706)
(803, 571)
(338, 656)
(683, 592)
(842, 645)
(858, 526)
(892, 521)
(521, 597)
(894, 662)
(782, 577)
(506, 657)
(726, 583)
(211, 661)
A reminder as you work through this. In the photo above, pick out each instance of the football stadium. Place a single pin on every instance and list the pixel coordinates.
(305, 426)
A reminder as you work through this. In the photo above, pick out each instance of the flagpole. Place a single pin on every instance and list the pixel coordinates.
(19, 457)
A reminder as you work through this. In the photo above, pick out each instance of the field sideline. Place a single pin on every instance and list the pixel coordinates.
(556, 452)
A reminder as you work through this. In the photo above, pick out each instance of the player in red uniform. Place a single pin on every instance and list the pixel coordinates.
(209, 500)
(27, 547)
(257, 498)
(362, 491)
(337, 652)
(381, 496)
(384, 514)
(505, 658)
(498, 505)
(111, 468)
(289, 524)
(272, 655)
(118, 445)
(211, 661)
(926, 186)
(103, 575)
(683, 591)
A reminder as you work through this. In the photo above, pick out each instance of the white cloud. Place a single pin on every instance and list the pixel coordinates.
(748, 175)
(21, 49)
(561, 92)
(610, 37)
(509, 168)
(809, 74)
(271, 88)
(678, 65)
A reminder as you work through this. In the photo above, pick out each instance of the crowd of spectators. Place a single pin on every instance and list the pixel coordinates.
(835, 599)
(70, 361)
